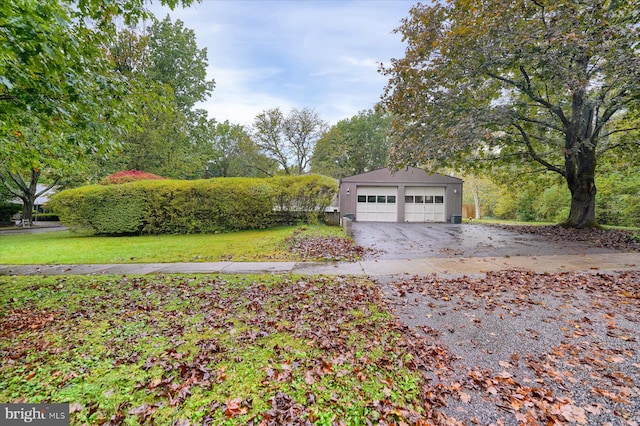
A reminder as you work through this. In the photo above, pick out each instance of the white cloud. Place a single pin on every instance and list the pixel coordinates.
(234, 98)
(317, 54)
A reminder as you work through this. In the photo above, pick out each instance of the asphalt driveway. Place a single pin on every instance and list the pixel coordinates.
(425, 240)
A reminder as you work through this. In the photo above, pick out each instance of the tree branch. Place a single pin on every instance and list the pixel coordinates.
(630, 129)
(541, 6)
(5, 180)
(55, 182)
(609, 111)
(554, 109)
(540, 122)
(635, 144)
(534, 155)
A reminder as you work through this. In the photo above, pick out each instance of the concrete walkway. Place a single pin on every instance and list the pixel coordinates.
(441, 266)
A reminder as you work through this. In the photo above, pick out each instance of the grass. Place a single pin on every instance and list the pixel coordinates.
(515, 222)
(64, 247)
(215, 349)
(507, 222)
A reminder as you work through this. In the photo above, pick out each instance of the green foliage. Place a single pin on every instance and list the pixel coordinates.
(353, 146)
(619, 197)
(505, 207)
(209, 206)
(53, 72)
(531, 84)
(184, 207)
(525, 205)
(62, 104)
(552, 205)
(48, 217)
(167, 73)
(227, 150)
(174, 59)
(106, 210)
(306, 197)
(289, 139)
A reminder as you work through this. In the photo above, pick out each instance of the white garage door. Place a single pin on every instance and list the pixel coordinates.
(377, 204)
(424, 204)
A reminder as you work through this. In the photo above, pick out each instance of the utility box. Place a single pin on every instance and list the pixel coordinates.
(456, 218)
(346, 225)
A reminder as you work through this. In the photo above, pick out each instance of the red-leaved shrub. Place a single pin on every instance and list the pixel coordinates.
(128, 176)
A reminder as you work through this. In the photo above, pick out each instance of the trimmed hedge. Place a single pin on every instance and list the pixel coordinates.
(46, 217)
(8, 209)
(200, 206)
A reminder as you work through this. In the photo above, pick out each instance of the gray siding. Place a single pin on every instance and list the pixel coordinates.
(409, 177)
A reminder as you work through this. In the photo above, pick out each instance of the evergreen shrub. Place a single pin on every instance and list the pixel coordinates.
(200, 206)
(8, 209)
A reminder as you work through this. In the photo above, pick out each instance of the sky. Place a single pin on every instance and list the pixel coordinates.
(318, 54)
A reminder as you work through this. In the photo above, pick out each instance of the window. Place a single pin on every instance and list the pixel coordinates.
(362, 198)
(408, 199)
(391, 199)
(382, 199)
(428, 198)
(371, 198)
(419, 199)
(439, 199)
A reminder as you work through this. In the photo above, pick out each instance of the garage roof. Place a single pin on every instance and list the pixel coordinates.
(406, 175)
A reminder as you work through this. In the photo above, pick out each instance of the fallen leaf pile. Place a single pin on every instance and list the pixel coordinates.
(605, 238)
(326, 248)
(258, 350)
(512, 348)
(532, 349)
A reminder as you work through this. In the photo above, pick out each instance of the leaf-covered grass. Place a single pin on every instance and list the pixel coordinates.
(211, 349)
(63, 247)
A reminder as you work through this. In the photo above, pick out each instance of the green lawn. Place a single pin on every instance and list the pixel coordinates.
(208, 349)
(64, 247)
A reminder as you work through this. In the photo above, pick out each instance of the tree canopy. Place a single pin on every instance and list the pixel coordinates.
(355, 145)
(166, 72)
(173, 58)
(61, 100)
(547, 86)
(289, 139)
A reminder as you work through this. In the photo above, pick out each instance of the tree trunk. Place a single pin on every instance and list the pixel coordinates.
(27, 192)
(580, 166)
(476, 201)
(27, 209)
(583, 205)
(28, 197)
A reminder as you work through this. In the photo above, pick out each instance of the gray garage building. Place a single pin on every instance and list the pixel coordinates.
(408, 195)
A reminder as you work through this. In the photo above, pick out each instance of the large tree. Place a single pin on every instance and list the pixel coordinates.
(60, 98)
(37, 152)
(167, 72)
(289, 139)
(553, 84)
(355, 145)
(229, 151)
(173, 58)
